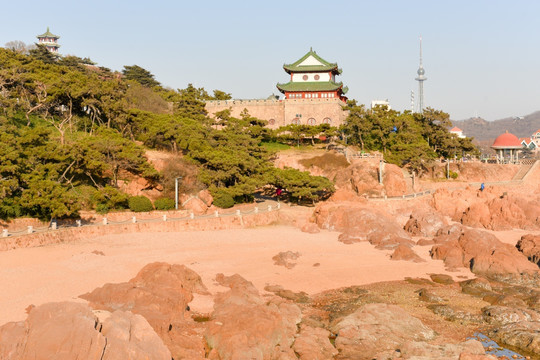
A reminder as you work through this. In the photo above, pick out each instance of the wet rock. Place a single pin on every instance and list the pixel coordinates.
(428, 296)
(524, 335)
(422, 350)
(476, 287)
(245, 326)
(504, 315)
(404, 252)
(314, 344)
(442, 279)
(425, 223)
(377, 327)
(451, 314)
(286, 259)
(529, 245)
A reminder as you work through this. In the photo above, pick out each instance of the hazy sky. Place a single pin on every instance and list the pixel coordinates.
(482, 57)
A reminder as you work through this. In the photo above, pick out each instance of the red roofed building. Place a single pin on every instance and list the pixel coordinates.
(507, 146)
(458, 132)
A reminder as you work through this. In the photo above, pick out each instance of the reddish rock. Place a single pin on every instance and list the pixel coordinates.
(422, 350)
(425, 242)
(193, 203)
(286, 259)
(394, 181)
(310, 228)
(529, 245)
(160, 293)
(504, 315)
(245, 326)
(361, 224)
(375, 328)
(425, 223)
(483, 253)
(403, 252)
(314, 344)
(206, 197)
(524, 335)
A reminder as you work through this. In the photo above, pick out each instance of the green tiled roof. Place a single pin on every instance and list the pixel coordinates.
(310, 86)
(48, 34)
(326, 66)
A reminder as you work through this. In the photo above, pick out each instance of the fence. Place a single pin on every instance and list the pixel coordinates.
(134, 220)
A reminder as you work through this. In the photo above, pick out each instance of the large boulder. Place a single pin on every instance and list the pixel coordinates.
(246, 326)
(374, 328)
(69, 330)
(358, 223)
(425, 223)
(483, 253)
(160, 293)
(314, 344)
(403, 252)
(529, 245)
(524, 335)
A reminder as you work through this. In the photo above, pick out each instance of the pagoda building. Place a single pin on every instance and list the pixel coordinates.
(312, 77)
(50, 41)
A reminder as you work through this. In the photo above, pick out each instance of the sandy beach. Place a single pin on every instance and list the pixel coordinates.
(65, 271)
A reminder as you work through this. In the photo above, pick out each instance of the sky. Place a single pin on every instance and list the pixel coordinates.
(481, 57)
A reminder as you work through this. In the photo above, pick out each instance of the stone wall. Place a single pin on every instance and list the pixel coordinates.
(86, 232)
(282, 112)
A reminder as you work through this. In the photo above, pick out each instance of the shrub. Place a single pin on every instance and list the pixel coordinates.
(140, 204)
(223, 200)
(109, 198)
(453, 174)
(164, 204)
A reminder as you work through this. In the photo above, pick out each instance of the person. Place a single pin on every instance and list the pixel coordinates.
(482, 187)
(278, 193)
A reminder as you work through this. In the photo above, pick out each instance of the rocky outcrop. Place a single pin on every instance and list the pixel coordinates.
(358, 223)
(286, 259)
(314, 344)
(425, 223)
(245, 326)
(529, 245)
(524, 335)
(482, 252)
(403, 252)
(160, 293)
(68, 330)
(375, 328)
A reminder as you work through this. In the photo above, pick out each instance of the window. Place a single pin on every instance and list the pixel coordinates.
(305, 77)
(327, 121)
(311, 121)
(296, 121)
(317, 77)
(271, 122)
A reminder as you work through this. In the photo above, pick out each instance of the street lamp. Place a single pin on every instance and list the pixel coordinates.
(176, 192)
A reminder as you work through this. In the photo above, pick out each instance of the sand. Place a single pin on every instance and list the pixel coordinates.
(65, 271)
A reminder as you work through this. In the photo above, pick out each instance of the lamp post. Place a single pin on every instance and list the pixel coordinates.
(176, 192)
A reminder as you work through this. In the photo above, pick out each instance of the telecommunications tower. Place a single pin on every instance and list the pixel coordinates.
(421, 78)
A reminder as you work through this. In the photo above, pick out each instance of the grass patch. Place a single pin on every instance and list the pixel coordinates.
(275, 146)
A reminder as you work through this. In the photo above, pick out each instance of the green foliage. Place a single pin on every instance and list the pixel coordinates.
(164, 204)
(454, 175)
(41, 53)
(140, 204)
(295, 134)
(300, 185)
(109, 198)
(223, 199)
(140, 75)
(274, 146)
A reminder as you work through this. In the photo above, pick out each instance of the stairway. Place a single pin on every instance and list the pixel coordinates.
(523, 171)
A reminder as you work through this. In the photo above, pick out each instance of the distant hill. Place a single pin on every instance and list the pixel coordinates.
(482, 129)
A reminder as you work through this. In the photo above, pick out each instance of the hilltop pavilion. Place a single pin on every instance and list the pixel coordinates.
(507, 146)
(49, 40)
(312, 77)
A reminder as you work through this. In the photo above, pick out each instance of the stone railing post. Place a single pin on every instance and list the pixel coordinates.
(79, 223)
(53, 225)
(5, 233)
(269, 207)
(216, 213)
(104, 221)
(30, 229)
(192, 216)
(238, 213)
(134, 219)
(256, 210)
(165, 217)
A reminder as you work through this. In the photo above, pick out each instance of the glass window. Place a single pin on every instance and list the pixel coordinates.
(311, 121)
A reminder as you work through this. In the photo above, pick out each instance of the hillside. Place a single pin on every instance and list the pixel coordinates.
(482, 129)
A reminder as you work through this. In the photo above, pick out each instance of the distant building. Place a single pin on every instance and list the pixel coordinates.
(421, 78)
(458, 132)
(507, 146)
(532, 143)
(50, 41)
(381, 103)
(312, 96)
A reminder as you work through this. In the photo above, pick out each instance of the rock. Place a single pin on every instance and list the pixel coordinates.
(403, 252)
(310, 228)
(69, 330)
(524, 335)
(425, 223)
(393, 180)
(361, 224)
(483, 253)
(442, 279)
(206, 197)
(193, 203)
(422, 350)
(469, 356)
(314, 344)
(478, 287)
(451, 314)
(245, 326)
(297, 297)
(529, 245)
(428, 296)
(286, 259)
(160, 293)
(504, 300)
(377, 327)
(504, 315)
(424, 242)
